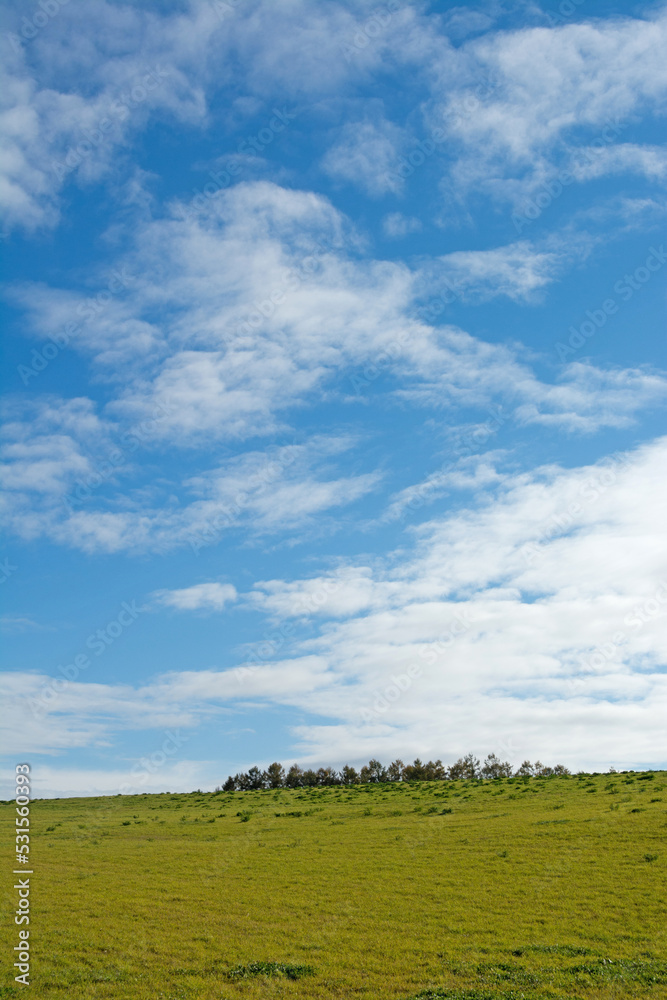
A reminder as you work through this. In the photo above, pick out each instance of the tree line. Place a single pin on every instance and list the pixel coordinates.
(275, 776)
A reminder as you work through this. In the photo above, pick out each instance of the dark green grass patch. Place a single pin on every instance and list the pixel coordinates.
(647, 972)
(286, 969)
(569, 950)
(443, 993)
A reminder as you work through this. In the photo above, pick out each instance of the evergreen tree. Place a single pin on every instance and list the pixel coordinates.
(294, 778)
(395, 770)
(274, 776)
(496, 768)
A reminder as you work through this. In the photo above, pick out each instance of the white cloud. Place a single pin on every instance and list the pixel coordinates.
(513, 102)
(519, 102)
(135, 64)
(367, 154)
(625, 157)
(544, 607)
(59, 130)
(536, 623)
(292, 307)
(45, 444)
(278, 490)
(17, 623)
(588, 398)
(200, 597)
(235, 347)
(466, 473)
(395, 225)
(45, 464)
(50, 781)
(517, 271)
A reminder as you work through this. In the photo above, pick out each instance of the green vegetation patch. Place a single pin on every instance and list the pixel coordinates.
(569, 950)
(135, 904)
(286, 969)
(648, 972)
(442, 993)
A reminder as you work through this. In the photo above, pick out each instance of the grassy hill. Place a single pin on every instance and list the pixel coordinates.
(514, 888)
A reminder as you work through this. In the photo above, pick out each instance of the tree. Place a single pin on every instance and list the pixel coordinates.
(496, 768)
(349, 776)
(540, 770)
(525, 771)
(309, 778)
(255, 778)
(465, 767)
(376, 771)
(434, 771)
(327, 776)
(274, 776)
(561, 771)
(294, 778)
(414, 771)
(229, 785)
(395, 770)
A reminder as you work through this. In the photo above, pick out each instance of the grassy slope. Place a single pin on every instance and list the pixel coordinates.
(526, 889)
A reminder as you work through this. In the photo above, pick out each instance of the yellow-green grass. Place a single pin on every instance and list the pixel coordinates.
(527, 888)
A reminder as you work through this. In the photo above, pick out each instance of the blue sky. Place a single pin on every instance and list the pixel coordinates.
(334, 386)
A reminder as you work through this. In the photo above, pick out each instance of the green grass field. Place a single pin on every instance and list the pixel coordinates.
(514, 888)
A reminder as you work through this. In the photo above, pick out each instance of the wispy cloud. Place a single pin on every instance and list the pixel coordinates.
(199, 597)
(544, 605)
